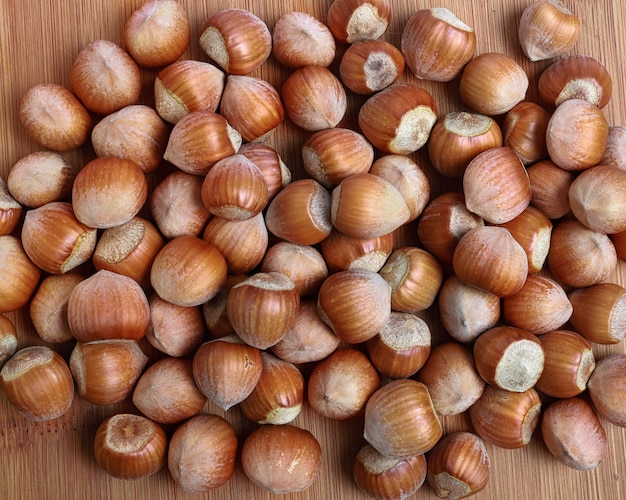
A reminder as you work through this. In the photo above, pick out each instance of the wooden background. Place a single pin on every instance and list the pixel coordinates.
(38, 42)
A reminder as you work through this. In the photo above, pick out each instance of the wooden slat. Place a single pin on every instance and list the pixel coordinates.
(38, 42)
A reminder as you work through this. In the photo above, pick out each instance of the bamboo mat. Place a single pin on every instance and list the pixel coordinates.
(38, 41)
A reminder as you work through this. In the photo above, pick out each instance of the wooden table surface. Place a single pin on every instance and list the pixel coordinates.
(38, 42)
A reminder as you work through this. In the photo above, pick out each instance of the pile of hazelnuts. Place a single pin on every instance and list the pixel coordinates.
(187, 223)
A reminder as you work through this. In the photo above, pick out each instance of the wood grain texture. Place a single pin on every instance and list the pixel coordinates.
(54, 460)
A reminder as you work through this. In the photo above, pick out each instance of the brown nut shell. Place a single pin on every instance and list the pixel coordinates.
(314, 98)
(573, 434)
(489, 258)
(606, 388)
(136, 133)
(106, 371)
(415, 277)
(459, 465)
(188, 271)
(532, 230)
(278, 396)
(34, 180)
(129, 446)
(596, 196)
(437, 44)
(460, 136)
(236, 40)
(509, 358)
(48, 307)
(355, 304)
(547, 29)
(303, 264)
(55, 240)
(540, 306)
(309, 339)
(167, 392)
(186, 86)
(400, 420)
(575, 76)
(524, 131)
(367, 206)
(399, 118)
(108, 192)
(493, 83)
(8, 339)
(20, 274)
(38, 383)
(235, 189)
(242, 243)
(576, 135)
(243, 94)
(340, 385)
(598, 312)
(157, 33)
(262, 308)
(401, 347)
(443, 222)
(465, 310)
(107, 305)
(202, 453)
(354, 20)
(331, 155)
(200, 139)
(300, 213)
(383, 477)
(129, 249)
(226, 370)
(496, 185)
(506, 419)
(580, 257)
(370, 65)
(451, 377)
(281, 458)
(300, 39)
(54, 118)
(105, 77)
(569, 362)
